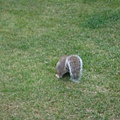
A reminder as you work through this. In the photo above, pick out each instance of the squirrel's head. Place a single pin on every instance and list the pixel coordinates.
(59, 70)
(60, 67)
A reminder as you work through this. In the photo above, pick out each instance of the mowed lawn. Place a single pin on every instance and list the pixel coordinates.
(34, 34)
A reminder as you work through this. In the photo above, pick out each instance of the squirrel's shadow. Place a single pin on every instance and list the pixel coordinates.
(66, 77)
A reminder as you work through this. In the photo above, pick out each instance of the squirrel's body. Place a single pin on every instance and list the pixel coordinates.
(72, 64)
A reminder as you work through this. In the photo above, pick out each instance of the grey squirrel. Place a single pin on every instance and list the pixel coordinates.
(72, 64)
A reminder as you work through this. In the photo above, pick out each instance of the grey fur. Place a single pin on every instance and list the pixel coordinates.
(72, 64)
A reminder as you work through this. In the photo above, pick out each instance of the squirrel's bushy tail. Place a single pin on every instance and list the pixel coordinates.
(75, 64)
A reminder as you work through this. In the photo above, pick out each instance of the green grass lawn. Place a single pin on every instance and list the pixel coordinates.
(34, 34)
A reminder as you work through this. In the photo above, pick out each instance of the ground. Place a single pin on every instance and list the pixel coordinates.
(33, 36)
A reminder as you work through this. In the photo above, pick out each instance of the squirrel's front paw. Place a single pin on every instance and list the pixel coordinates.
(57, 76)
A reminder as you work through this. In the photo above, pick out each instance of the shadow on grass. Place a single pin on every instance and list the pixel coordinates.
(65, 78)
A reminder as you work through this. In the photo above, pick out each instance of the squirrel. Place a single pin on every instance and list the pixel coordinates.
(70, 64)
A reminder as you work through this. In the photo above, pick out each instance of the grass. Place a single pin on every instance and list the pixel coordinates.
(33, 36)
